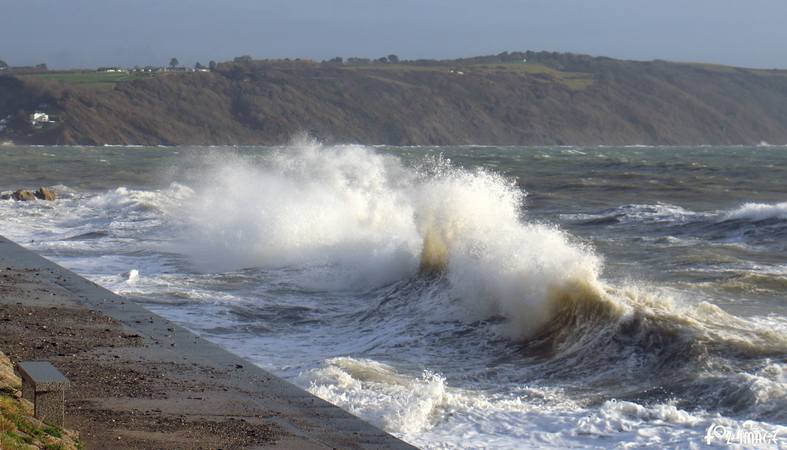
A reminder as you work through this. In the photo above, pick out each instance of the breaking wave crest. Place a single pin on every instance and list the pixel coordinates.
(759, 211)
(671, 214)
(361, 219)
(752, 224)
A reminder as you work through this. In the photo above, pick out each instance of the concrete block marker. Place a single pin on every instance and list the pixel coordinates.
(45, 387)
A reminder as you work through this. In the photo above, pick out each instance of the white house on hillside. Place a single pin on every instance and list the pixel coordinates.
(38, 118)
(111, 70)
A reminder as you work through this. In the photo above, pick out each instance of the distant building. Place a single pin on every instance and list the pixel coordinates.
(110, 69)
(38, 118)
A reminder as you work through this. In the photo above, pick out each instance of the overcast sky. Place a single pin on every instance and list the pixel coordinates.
(89, 33)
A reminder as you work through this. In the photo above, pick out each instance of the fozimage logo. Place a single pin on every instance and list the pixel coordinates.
(721, 434)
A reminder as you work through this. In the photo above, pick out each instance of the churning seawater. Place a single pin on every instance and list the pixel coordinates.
(458, 297)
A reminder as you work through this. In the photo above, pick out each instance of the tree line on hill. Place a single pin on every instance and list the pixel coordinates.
(354, 60)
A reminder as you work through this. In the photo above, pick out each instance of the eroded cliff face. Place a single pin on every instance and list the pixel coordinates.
(550, 99)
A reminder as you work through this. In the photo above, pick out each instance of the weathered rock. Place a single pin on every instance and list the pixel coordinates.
(22, 195)
(5, 196)
(45, 194)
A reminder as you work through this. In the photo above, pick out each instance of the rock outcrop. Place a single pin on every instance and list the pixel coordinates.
(23, 195)
(45, 194)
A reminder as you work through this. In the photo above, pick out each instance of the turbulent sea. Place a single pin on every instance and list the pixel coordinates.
(457, 297)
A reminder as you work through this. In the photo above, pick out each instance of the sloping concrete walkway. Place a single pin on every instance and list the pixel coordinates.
(140, 381)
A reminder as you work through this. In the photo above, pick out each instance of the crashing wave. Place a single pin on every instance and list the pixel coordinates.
(758, 212)
(366, 219)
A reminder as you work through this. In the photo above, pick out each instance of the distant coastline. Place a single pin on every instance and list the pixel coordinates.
(520, 98)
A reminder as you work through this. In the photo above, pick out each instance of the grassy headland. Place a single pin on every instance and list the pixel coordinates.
(507, 99)
(88, 78)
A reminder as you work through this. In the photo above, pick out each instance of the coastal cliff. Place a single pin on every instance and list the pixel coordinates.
(507, 99)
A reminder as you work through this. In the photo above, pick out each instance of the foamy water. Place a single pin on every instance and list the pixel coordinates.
(458, 298)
